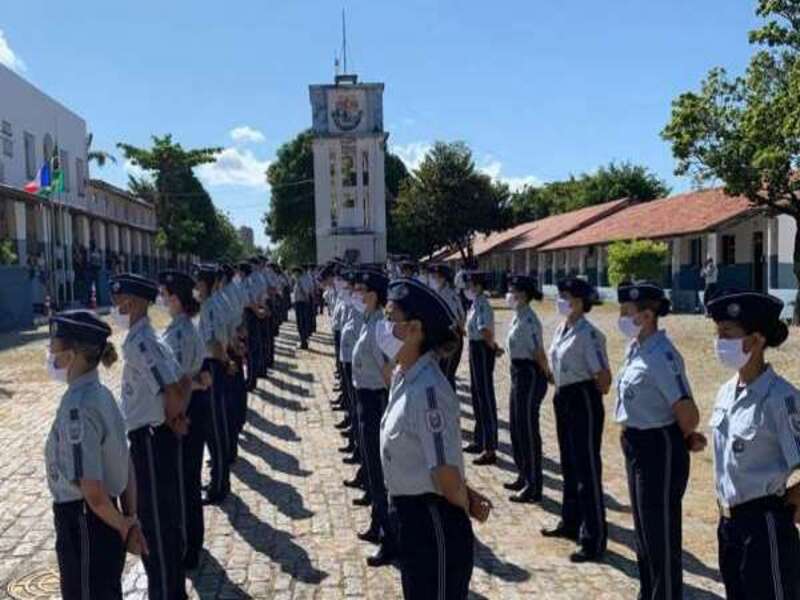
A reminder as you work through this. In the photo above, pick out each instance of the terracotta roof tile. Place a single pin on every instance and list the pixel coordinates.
(551, 228)
(684, 214)
(486, 243)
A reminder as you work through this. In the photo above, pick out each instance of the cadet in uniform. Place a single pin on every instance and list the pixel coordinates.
(301, 299)
(154, 400)
(217, 433)
(351, 328)
(421, 448)
(255, 346)
(88, 468)
(371, 374)
(529, 370)
(580, 373)
(756, 438)
(659, 417)
(186, 344)
(483, 350)
(441, 280)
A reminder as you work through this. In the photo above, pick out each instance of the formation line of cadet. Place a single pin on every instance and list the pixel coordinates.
(399, 333)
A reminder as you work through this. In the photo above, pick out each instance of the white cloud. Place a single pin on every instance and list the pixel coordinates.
(134, 170)
(411, 154)
(8, 57)
(245, 133)
(235, 166)
(494, 169)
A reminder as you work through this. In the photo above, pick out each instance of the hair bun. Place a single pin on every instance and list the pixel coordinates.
(109, 355)
(666, 308)
(777, 335)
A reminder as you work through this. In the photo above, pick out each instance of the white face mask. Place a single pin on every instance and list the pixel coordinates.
(161, 301)
(196, 295)
(56, 374)
(357, 300)
(731, 353)
(387, 342)
(563, 306)
(471, 295)
(120, 321)
(436, 285)
(347, 297)
(237, 279)
(511, 301)
(628, 327)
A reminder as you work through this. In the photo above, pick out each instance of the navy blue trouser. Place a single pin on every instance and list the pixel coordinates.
(191, 455)
(301, 315)
(579, 426)
(255, 349)
(436, 548)
(154, 453)
(449, 364)
(657, 462)
(91, 556)
(484, 403)
(217, 433)
(528, 387)
(759, 551)
(371, 405)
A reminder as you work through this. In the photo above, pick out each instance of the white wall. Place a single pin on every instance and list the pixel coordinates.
(29, 110)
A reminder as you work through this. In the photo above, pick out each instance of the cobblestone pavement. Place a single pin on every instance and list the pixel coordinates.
(288, 528)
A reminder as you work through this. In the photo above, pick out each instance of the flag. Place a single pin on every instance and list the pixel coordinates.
(57, 185)
(41, 184)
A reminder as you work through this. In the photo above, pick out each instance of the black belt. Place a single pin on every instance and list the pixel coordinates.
(145, 430)
(752, 507)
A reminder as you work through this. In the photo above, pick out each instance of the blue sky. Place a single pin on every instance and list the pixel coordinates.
(538, 89)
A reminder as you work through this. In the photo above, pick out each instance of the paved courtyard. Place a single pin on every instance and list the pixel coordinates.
(288, 528)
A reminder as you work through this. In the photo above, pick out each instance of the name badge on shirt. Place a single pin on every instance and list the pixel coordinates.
(434, 420)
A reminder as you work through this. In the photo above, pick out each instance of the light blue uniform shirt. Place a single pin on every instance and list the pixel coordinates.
(226, 312)
(149, 366)
(186, 344)
(207, 327)
(368, 360)
(652, 380)
(756, 438)
(86, 441)
(339, 313)
(577, 353)
(420, 429)
(481, 316)
(353, 320)
(524, 337)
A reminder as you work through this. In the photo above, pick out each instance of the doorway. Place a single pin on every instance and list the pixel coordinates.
(759, 283)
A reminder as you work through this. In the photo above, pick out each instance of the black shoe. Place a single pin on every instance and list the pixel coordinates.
(382, 558)
(356, 483)
(559, 531)
(582, 556)
(371, 535)
(349, 449)
(344, 423)
(473, 449)
(515, 486)
(346, 433)
(485, 459)
(365, 500)
(351, 460)
(337, 387)
(528, 496)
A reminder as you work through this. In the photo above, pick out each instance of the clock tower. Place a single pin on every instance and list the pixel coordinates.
(349, 185)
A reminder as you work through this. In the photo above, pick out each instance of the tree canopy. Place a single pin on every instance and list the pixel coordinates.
(447, 201)
(188, 222)
(745, 131)
(611, 182)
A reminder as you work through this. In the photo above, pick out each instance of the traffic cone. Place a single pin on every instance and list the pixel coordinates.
(93, 298)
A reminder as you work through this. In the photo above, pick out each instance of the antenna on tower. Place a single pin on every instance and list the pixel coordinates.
(344, 42)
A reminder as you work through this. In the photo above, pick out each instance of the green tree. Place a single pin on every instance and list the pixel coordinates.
(99, 157)
(611, 182)
(187, 219)
(636, 260)
(447, 201)
(289, 221)
(745, 130)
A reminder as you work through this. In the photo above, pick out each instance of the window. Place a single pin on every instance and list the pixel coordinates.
(30, 156)
(80, 177)
(8, 147)
(728, 249)
(5, 129)
(334, 197)
(2, 173)
(349, 175)
(365, 169)
(47, 146)
(367, 208)
(63, 159)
